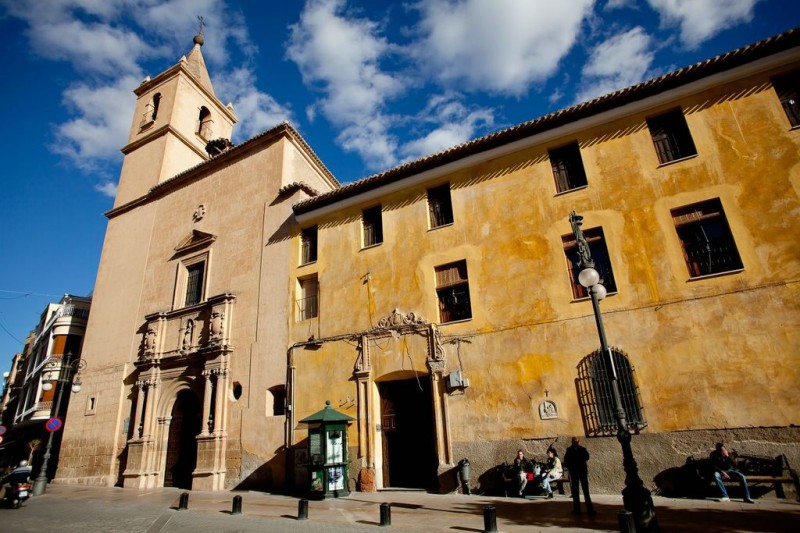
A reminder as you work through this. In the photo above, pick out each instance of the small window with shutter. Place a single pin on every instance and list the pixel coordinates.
(440, 206)
(452, 290)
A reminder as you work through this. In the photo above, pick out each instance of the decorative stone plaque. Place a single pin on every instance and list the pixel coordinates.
(548, 410)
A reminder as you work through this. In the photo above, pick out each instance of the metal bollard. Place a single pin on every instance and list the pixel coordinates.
(302, 510)
(626, 522)
(489, 519)
(237, 505)
(183, 502)
(386, 514)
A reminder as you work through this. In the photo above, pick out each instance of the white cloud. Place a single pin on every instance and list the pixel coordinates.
(700, 20)
(107, 188)
(501, 46)
(342, 56)
(617, 62)
(453, 122)
(256, 110)
(617, 4)
(101, 123)
(107, 43)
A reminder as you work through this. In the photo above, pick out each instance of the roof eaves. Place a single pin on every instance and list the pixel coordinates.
(573, 113)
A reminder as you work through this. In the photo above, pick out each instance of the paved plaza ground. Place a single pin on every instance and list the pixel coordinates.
(100, 509)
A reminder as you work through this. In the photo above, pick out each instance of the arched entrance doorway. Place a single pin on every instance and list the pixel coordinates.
(182, 443)
(407, 429)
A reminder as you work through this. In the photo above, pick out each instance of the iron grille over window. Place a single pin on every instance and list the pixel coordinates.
(194, 283)
(671, 136)
(708, 245)
(308, 240)
(602, 262)
(373, 226)
(308, 303)
(595, 397)
(452, 289)
(440, 206)
(567, 167)
(788, 89)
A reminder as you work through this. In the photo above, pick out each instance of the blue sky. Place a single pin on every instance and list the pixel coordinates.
(368, 83)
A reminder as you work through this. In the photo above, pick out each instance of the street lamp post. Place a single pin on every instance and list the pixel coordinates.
(635, 497)
(69, 366)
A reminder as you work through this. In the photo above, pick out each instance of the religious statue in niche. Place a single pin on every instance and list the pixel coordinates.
(548, 410)
(186, 345)
(150, 341)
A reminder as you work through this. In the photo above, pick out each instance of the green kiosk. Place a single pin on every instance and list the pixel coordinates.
(327, 452)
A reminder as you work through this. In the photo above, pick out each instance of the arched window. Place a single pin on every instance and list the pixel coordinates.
(595, 397)
(156, 103)
(204, 123)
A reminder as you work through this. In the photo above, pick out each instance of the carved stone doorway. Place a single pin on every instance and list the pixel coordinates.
(182, 443)
(407, 430)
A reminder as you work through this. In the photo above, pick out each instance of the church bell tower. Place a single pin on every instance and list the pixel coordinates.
(177, 114)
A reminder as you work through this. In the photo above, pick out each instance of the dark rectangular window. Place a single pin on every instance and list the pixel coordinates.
(602, 262)
(788, 89)
(708, 245)
(194, 283)
(567, 167)
(308, 239)
(373, 226)
(308, 303)
(671, 136)
(452, 289)
(440, 207)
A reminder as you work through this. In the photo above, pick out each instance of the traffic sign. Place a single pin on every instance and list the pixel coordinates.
(2, 430)
(54, 424)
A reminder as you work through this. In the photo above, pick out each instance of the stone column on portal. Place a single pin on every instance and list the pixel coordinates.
(206, 420)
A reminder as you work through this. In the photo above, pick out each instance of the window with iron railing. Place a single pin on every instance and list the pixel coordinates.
(194, 283)
(602, 261)
(706, 238)
(788, 89)
(452, 291)
(596, 398)
(567, 166)
(440, 206)
(671, 136)
(372, 223)
(308, 303)
(308, 245)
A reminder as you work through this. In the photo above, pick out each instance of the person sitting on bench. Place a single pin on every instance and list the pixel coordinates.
(724, 470)
(552, 471)
(520, 467)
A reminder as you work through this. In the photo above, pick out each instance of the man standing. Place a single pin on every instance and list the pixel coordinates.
(575, 460)
(724, 470)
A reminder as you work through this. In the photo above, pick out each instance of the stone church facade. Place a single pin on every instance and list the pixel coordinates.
(437, 303)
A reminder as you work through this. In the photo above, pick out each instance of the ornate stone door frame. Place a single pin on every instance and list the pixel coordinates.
(180, 349)
(368, 414)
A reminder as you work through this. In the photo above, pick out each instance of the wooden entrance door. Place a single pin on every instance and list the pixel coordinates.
(182, 442)
(407, 434)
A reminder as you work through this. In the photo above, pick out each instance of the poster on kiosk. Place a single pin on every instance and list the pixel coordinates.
(327, 452)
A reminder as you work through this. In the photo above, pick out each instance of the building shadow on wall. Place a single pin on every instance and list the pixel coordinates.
(263, 478)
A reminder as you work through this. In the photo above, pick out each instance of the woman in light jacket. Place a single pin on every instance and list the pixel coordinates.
(552, 471)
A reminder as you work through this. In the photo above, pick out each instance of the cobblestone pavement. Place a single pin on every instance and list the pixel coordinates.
(102, 509)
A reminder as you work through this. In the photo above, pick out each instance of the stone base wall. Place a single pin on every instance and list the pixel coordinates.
(654, 453)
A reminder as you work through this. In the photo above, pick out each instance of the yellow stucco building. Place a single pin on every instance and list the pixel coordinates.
(436, 303)
(449, 320)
